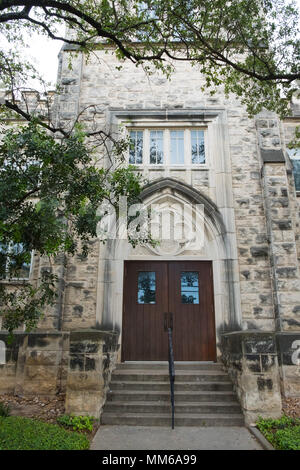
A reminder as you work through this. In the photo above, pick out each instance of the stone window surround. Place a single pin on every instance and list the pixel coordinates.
(170, 119)
(218, 166)
(184, 126)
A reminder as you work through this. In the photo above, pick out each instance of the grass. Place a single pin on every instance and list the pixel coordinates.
(282, 433)
(18, 433)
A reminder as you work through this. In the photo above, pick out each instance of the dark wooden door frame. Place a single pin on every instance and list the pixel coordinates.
(192, 263)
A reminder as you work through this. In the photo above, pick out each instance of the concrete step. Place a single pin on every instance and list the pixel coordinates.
(185, 396)
(161, 376)
(165, 366)
(157, 407)
(164, 419)
(165, 386)
(139, 395)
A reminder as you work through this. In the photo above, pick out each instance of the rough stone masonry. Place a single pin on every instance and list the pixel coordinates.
(252, 237)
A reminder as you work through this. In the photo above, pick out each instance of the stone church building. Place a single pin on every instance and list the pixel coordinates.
(233, 300)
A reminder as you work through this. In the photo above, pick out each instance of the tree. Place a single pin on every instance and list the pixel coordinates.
(50, 192)
(249, 46)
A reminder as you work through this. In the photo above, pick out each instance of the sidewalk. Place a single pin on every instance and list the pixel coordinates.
(181, 438)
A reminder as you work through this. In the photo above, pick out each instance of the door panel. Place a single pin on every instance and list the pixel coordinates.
(145, 302)
(156, 290)
(191, 302)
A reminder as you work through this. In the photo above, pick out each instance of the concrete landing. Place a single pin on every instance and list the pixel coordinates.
(181, 438)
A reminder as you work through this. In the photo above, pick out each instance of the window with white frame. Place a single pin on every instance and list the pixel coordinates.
(9, 262)
(198, 146)
(169, 146)
(136, 147)
(177, 147)
(156, 149)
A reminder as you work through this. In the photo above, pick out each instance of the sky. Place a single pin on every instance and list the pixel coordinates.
(43, 53)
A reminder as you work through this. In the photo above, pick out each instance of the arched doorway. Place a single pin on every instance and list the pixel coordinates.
(212, 261)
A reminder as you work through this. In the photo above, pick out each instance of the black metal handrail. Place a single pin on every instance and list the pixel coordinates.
(171, 374)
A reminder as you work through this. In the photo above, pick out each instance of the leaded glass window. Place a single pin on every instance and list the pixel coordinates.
(146, 287)
(177, 147)
(198, 147)
(136, 147)
(156, 147)
(171, 146)
(189, 287)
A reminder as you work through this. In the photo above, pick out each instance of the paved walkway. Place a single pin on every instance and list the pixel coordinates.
(181, 438)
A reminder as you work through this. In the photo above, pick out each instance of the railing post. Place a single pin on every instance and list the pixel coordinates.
(171, 374)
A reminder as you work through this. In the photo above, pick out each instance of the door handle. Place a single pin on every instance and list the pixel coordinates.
(171, 320)
(166, 321)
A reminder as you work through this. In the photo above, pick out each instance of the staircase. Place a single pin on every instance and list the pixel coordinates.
(139, 395)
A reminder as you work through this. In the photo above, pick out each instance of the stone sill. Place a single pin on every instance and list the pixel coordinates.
(74, 333)
(261, 333)
(14, 282)
(249, 332)
(142, 166)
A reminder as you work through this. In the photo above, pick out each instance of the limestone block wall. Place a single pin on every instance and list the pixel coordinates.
(75, 305)
(78, 363)
(282, 225)
(81, 274)
(8, 370)
(91, 361)
(288, 133)
(35, 363)
(252, 242)
(97, 86)
(263, 367)
(252, 362)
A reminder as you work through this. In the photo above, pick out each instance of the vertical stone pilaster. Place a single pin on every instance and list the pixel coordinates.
(283, 253)
(91, 360)
(282, 244)
(285, 272)
(251, 359)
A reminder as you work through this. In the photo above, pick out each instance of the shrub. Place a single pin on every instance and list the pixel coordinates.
(77, 423)
(282, 433)
(288, 439)
(4, 410)
(18, 433)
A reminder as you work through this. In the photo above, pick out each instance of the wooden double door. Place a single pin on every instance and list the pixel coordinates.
(162, 294)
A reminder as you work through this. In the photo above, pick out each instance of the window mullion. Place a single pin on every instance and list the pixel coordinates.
(147, 146)
(167, 146)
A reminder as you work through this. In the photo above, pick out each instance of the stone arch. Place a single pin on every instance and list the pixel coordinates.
(190, 193)
(218, 248)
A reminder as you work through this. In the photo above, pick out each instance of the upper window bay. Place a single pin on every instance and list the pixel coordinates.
(167, 146)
